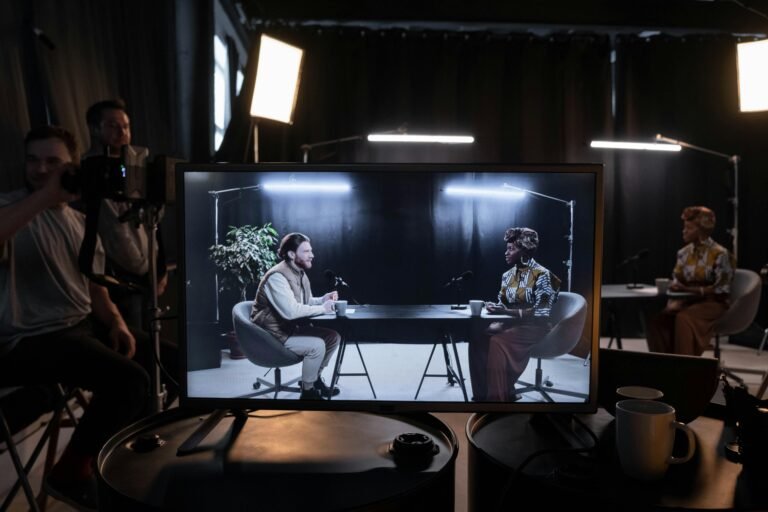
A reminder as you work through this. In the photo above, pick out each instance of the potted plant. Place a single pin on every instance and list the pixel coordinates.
(244, 258)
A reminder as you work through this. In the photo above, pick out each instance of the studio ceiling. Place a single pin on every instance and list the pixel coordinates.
(731, 16)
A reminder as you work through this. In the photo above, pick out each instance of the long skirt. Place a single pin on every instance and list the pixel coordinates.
(496, 361)
(687, 331)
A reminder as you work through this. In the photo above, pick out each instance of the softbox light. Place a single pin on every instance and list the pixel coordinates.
(277, 80)
(753, 75)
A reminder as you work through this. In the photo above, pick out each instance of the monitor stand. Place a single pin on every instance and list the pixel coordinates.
(192, 443)
(564, 429)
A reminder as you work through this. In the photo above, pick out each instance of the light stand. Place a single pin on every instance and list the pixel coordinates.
(306, 148)
(216, 194)
(570, 204)
(398, 135)
(734, 200)
(151, 221)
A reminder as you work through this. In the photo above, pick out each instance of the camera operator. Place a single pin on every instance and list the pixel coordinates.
(56, 326)
(126, 243)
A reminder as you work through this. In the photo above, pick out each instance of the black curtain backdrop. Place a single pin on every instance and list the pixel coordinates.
(397, 237)
(89, 51)
(684, 88)
(523, 98)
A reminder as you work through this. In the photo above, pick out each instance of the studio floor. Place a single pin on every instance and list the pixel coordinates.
(241, 374)
(395, 371)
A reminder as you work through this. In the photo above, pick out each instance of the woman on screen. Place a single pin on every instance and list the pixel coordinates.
(499, 355)
(703, 274)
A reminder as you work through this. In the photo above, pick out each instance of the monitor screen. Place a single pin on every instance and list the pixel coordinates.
(390, 287)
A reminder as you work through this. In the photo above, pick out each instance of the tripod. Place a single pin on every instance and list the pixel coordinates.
(150, 219)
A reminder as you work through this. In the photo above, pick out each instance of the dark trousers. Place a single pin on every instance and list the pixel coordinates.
(80, 356)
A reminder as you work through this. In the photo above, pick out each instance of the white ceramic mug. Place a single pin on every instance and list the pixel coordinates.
(662, 285)
(638, 393)
(341, 307)
(476, 307)
(645, 435)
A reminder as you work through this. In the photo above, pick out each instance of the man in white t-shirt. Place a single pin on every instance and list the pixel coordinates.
(56, 326)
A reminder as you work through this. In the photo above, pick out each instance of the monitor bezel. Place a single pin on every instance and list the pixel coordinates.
(382, 406)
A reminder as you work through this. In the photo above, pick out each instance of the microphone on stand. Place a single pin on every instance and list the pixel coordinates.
(456, 283)
(641, 254)
(457, 280)
(335, 280)
(632, 262)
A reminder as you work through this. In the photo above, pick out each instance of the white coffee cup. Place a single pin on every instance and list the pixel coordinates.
(662, 285)
(638, 393)
(476, 307)
(341, 307)
(645, 435)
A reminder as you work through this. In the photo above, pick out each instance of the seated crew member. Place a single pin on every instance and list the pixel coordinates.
(704, 269)
(498, 356)
(126, 244)
(283, 304)
(56, 326)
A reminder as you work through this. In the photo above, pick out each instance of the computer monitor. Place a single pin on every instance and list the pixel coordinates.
(409, 247)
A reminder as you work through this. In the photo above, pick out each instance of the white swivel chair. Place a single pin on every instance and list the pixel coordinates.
(568, 317)
(744, 302)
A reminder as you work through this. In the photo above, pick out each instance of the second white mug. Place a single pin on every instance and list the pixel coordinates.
(645, 435)
(476, 307)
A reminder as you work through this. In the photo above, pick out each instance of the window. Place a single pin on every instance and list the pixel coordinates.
(221, 97)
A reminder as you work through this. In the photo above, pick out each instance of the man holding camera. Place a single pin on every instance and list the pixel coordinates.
(126, 242)
(56, 326)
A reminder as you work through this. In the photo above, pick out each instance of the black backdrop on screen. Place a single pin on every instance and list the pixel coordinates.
(396, 237)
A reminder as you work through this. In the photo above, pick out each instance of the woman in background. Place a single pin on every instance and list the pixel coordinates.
(704, 271)
(499, 356)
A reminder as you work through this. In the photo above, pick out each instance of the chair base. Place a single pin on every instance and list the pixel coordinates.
(731, 372)
(275, 387)
(543, 390)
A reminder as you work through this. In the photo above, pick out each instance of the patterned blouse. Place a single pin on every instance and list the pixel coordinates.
(705, 264)
(530, 285)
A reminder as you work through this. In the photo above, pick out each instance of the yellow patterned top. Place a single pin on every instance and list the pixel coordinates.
(705, 264)
(530, 285)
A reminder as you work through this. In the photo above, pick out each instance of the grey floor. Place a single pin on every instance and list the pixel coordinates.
(733, 356)
(395, 371)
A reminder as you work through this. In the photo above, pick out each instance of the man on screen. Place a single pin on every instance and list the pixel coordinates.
(283, 305)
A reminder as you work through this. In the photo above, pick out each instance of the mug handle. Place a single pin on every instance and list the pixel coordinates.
(691, 443)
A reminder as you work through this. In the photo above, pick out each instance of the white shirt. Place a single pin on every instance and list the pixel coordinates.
(280, 295)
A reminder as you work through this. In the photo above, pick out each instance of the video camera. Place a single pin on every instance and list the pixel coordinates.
(131, 177)
(131, 180)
